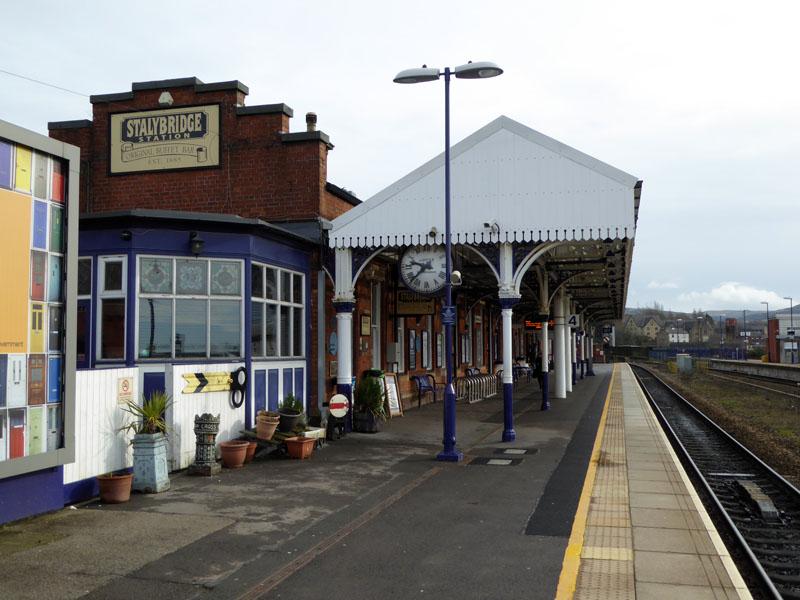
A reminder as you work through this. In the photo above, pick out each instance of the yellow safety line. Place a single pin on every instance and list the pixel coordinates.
(572, 555)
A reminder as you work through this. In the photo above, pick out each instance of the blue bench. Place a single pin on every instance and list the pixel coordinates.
(426, 383)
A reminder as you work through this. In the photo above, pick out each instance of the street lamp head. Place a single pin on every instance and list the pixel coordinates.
(419, 75)
(478, 70)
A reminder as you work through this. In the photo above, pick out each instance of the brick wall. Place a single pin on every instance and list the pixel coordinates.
(263, 172)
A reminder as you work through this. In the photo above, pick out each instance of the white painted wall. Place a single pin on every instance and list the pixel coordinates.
(180, 417)
(99, 448)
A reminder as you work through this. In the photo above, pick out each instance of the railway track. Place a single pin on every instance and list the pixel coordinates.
(761, 508)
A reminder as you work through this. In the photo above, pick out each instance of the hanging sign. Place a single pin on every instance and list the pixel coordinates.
(411, 304)
(573, 321)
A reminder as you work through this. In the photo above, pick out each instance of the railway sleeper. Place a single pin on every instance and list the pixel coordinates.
(752, 493)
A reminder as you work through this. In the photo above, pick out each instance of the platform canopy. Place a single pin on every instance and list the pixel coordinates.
(509, 184)
(568, 218)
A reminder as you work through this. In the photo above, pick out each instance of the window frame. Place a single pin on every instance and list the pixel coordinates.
(258, 306)
(103, 294)
(173, 297)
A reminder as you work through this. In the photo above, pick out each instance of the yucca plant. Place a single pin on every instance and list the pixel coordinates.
(148, 417)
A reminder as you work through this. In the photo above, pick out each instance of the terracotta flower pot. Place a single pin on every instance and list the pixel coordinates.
(251, 452)
(300, 447)
(115, 489)
(265, 430)
(233, 453)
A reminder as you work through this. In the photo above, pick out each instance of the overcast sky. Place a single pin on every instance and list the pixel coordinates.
(700, 99)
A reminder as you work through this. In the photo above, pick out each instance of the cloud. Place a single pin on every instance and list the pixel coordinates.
(733, 295)
(667, 285)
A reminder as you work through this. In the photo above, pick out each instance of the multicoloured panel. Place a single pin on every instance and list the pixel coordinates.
(32, 254)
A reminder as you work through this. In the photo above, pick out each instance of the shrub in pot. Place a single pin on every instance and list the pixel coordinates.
(149, 441)
(291, 414)
(369, 409)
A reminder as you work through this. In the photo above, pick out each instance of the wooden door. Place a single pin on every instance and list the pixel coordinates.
(36, 379)
(37, 328)
(38, 268)
(16, 437)
(16, 381)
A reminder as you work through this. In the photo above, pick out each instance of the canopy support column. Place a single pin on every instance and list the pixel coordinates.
(559, 350)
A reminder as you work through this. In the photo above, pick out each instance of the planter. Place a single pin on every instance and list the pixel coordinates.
(289, 419)
(250, 452)
(150, 472)
(265, 431)
(365, 422)
(115, 489)
(233, 453)
(268, 416)
(300, 447)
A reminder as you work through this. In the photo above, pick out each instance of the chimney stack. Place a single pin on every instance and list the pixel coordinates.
(311, 121)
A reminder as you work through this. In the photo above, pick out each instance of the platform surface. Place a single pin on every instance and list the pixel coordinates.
(641, 531)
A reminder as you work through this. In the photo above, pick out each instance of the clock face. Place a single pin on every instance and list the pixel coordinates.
(424, 269)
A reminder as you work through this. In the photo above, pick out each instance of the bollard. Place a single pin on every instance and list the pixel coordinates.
(206, 428)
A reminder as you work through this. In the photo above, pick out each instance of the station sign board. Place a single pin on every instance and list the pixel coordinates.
(410, 304)
(162, 140)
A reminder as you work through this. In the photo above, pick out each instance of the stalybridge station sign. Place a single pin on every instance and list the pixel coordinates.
(181, 138)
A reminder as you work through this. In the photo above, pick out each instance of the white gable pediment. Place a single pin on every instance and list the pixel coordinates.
(533, 187)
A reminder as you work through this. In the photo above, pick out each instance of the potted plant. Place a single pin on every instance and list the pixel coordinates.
(149, 441)
(369, 409)
(291, 414)
(114, 487)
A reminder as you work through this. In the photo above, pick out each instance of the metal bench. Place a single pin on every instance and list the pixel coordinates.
(426, 383)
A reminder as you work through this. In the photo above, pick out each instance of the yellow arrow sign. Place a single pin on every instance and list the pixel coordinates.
(206, 382)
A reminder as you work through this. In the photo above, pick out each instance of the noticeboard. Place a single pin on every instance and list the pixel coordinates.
(393, 404)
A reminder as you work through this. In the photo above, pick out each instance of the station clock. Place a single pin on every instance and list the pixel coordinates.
(424, 269)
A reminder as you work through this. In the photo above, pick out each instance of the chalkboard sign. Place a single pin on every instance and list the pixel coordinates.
(393, 404)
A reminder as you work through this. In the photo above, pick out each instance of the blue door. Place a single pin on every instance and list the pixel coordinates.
(40, 225)
(3, 376)
(54, 379)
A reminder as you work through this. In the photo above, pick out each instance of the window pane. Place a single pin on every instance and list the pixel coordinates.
(80, 334)
(226, 328)
(271, 330)
(257, 330)
(113, 276)
(272, 285)
(286, 332)
(84, 276)
(190, 328)
(191, 278)
(155, 276)
(297, 349)
(155, 328)
(298, 288)
(226, 278)
(112, 328)
(256, 281)
(286, 286)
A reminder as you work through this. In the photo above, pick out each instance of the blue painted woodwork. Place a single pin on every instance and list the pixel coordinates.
(299, 376)
(260, 390)
(54, 379)
(273, 382)
(40, 224)
(31, 494)
(153, 382)
(5, 164)
(509, 435)
(287, 382)
(3, 377)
